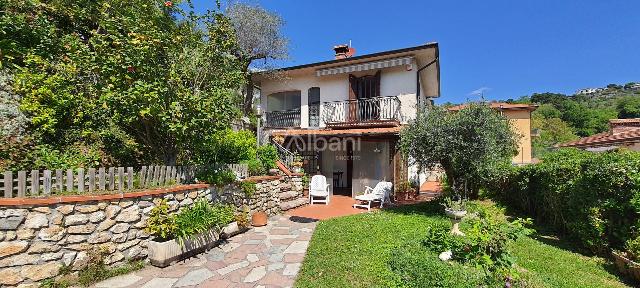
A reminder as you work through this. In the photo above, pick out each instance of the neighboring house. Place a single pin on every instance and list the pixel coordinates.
(520, 117)
(623, 133)
(344, 115)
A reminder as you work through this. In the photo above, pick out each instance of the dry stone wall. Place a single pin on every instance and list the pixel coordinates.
(41, 236)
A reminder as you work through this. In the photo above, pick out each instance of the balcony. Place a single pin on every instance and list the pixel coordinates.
(370, 112)
(283, 119)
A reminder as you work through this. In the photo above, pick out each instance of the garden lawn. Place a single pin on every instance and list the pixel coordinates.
(353, 251)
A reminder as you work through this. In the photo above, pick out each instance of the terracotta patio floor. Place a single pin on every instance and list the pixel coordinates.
(342, 205)
(338, 206)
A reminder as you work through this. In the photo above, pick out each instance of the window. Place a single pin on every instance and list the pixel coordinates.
(283, 101)
(314, 106)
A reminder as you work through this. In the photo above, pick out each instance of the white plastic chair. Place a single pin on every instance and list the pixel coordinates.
(318, 188)
(378, 194)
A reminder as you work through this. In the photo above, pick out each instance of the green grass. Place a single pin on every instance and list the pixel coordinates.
(353, 251)
(551, 266)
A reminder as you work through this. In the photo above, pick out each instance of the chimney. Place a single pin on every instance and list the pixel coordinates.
(343, 51)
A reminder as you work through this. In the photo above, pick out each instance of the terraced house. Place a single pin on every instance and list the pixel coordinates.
(340, 112)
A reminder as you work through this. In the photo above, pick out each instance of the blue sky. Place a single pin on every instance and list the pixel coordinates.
(505, 48)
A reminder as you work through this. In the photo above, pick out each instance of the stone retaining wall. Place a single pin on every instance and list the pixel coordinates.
(40, 236)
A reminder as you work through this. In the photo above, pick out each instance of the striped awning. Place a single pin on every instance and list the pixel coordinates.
(365, 66)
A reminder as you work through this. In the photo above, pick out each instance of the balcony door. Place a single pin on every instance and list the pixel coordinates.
(314, 106)
(362, 97)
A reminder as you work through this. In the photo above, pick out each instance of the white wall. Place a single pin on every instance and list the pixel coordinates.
(395, 81)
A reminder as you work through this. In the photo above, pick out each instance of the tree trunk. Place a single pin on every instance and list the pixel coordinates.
(248, 97)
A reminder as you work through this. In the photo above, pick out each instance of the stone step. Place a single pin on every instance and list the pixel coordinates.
(288, 205)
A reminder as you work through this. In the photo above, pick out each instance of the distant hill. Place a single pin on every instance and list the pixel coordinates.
(562, 118)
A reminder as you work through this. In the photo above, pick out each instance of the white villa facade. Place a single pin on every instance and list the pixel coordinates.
(344, 115)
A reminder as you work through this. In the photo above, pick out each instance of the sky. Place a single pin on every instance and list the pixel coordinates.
(500, 49)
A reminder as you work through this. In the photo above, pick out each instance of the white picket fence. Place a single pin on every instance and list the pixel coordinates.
(120, 179)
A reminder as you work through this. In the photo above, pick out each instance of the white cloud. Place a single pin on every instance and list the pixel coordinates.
(479, 92)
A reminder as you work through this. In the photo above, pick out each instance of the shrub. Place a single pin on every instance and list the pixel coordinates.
(198, 218)
(216, 175)
(160, 223)
(632, 247)
(248, 188)
(485, 243)
(267, 154)
(255, 167)
(592, 197)
(242, 218)
(228, 146)
(201, 217)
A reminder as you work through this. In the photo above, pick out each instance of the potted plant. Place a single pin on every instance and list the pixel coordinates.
(627, 261)
(455, 209)
(403, 191)
(193, 230)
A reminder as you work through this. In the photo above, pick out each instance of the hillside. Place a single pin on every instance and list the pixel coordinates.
(562, 118)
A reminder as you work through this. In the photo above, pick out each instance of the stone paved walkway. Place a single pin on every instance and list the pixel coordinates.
(268, 256)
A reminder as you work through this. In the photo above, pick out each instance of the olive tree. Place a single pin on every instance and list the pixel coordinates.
(467, 144)
(259, 37)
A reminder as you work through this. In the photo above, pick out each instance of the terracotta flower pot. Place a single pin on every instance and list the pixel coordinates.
(305, 192)
(259, 219)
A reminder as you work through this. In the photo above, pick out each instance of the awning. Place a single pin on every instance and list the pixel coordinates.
(365, 66)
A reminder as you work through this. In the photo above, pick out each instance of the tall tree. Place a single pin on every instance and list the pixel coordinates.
(467, 144)
(138, 80)
(259, 37)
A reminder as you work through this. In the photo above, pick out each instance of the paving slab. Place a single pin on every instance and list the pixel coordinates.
(119, 281)
(160, 283)
(255, 274)
(297, 247)
(194, 277)
(268, 256)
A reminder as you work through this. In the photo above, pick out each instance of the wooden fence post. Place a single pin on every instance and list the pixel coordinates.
(112, 180)
(69, 180)
(130, 178)
(46, 182)
(80, 180)
(8, 184)
(92, 179)
(101, 180)
(120, 179)
(59, 181)
(35, 182)
(142, 177)
(22, 183)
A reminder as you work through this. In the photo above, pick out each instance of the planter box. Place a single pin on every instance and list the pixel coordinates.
(163, 254)
(231, 230)
(626, 266)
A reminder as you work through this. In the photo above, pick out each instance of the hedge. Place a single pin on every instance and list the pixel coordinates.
(592, 197)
